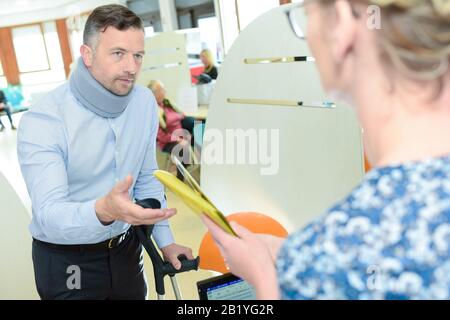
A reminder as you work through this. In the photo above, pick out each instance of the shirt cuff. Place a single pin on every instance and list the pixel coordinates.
(89, 215)
(162, 234)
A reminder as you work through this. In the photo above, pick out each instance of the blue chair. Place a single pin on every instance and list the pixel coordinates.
(199, 130)
(14, 96)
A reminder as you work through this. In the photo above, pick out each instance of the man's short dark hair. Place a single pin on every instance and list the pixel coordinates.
(112, 15)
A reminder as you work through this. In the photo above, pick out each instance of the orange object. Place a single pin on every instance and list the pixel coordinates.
(367, 165)
(210, 257)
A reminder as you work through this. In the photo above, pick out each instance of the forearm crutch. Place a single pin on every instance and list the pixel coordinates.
(161, 268)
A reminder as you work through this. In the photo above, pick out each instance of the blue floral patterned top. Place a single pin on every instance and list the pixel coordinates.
(389, 239)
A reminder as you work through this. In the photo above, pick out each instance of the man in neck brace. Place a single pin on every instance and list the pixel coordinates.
(86, 151)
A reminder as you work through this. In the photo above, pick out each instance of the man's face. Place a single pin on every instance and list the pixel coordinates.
(116, 60)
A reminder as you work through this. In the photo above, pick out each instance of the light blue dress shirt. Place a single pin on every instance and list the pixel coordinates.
(70, 157)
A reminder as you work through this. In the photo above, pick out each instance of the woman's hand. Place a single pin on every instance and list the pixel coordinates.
(273, 243)
(248, 257)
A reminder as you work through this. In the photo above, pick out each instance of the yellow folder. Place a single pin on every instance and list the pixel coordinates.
(192, 195)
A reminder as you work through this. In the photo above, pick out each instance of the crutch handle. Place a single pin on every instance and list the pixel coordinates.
(186, 265)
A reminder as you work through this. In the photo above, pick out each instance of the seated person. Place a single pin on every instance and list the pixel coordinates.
(170, 120)
(207, 59)
(5, 107)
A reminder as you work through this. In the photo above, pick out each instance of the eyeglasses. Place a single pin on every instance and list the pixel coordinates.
(297, 18)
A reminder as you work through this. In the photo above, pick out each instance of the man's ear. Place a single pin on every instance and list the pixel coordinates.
(87, 54)
(344, 30)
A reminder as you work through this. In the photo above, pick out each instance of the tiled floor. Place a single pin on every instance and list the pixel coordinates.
(187, 228)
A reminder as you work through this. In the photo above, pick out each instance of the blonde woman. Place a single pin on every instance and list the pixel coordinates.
(390, 238)
(207, 59)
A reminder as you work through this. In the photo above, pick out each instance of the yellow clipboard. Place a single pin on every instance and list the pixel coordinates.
(192, 195)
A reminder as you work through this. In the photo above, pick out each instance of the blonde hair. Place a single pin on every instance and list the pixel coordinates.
(153, 84)
(415, 35)
(209, 57)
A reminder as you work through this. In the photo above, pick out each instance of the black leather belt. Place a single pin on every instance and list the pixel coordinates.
(104, 245)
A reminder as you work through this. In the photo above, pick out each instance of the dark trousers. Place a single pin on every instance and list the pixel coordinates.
(188, 124)
(105, 274)
(8, 113)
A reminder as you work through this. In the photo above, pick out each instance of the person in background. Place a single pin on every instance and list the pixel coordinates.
(5, 107)
(208, 61)
(171, 121)
(390, 238)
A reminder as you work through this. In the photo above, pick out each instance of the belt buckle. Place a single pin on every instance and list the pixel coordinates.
(119, 238)
(110, 243)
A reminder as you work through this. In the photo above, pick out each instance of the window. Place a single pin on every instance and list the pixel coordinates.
(30, 48)
(236, 15)
(45, 64)
(249, 10)
(210, 36)
(39, 58)
(229, 22)
(75, 26)
(149, 31)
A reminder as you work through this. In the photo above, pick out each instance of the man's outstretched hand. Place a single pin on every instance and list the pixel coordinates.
(117, 205)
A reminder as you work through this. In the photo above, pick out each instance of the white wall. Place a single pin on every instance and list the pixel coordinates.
(314, 154)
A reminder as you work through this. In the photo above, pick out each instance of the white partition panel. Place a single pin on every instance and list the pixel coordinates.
(319, 157)
(166, 60)
(16, 267)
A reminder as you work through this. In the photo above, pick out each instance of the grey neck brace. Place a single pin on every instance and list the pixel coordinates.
(94, 96)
